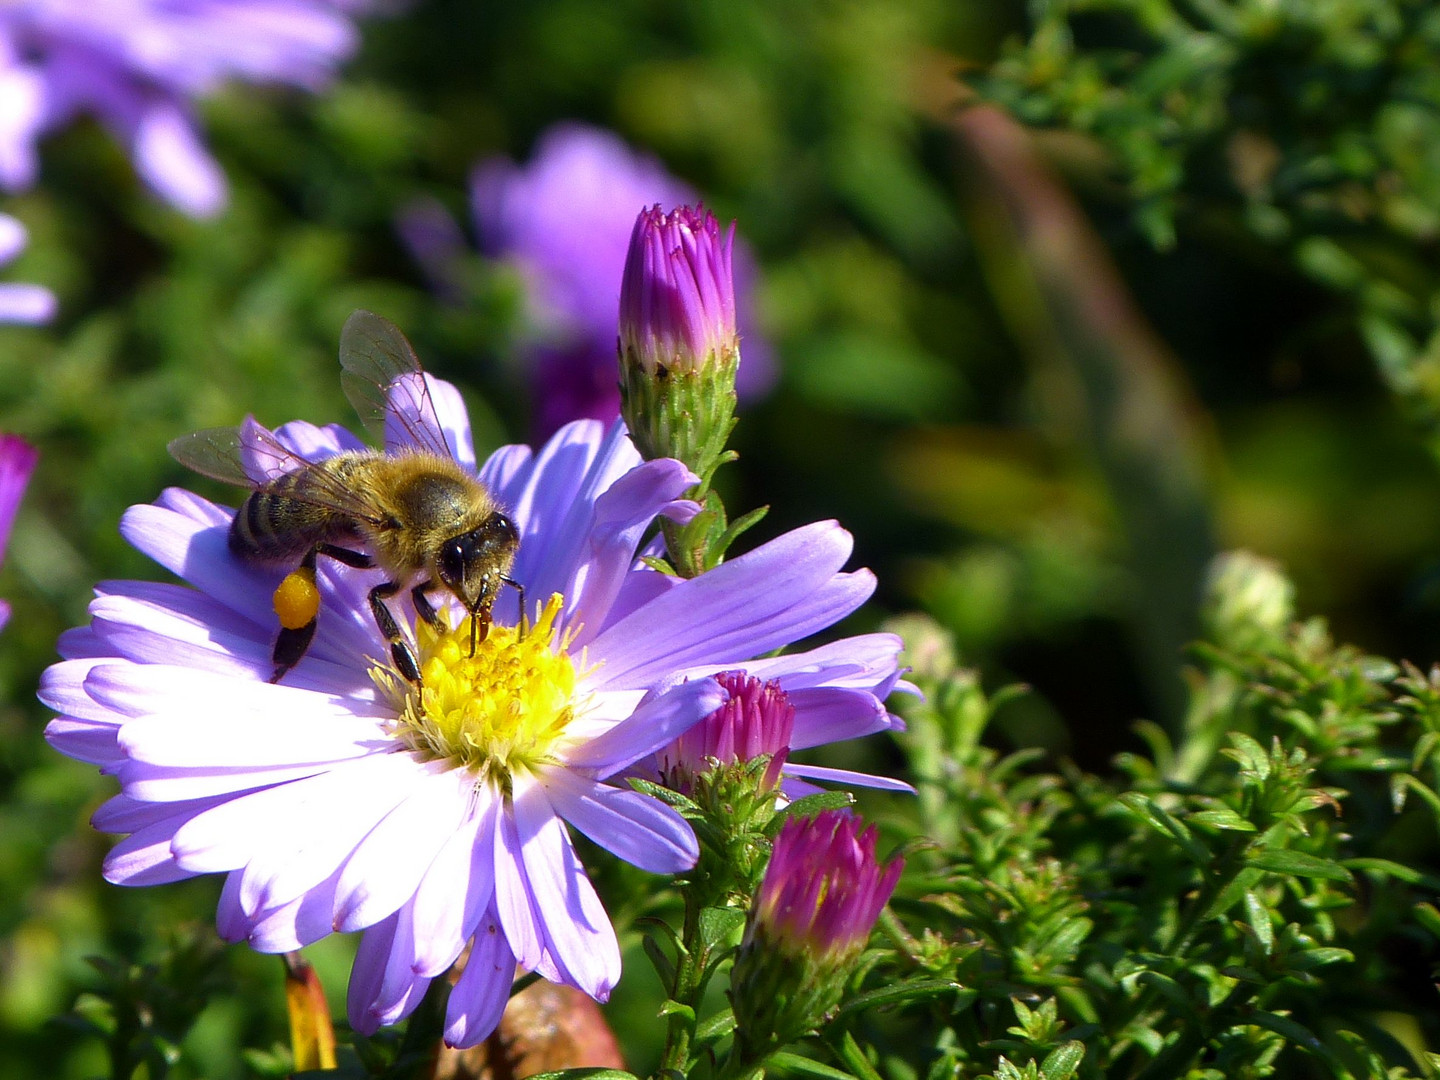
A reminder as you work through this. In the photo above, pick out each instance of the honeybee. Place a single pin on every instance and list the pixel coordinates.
(414, 514)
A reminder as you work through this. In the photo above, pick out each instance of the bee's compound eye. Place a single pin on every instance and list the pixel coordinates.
(453, 557)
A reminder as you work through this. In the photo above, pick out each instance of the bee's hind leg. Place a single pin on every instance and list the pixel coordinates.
(297, 602)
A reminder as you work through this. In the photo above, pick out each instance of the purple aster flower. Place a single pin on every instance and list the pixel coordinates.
(138, 66)
(17, 462)
(21, 303)
(436, 820)
(566, 220)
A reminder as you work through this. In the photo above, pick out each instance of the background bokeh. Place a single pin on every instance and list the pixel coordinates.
(1042, 375)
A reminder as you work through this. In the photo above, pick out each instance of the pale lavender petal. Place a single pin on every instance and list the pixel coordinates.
(368, 974)
(315, 443)
(514, 899)
(22, 110)
(638, 588)
(388, 864)
(28, 304)
(283, 928)
(846, 777)
(290, 827)
(144, 858)
(576, 928)
(91, 741)
(506, 473)
(480, 994)
(640, 829)
(658, 721)
(456, 890)
(13, 237)
(243, 737)
(62, 688)
(778, 593)
(622, 515)
(862, 662)
(397, 991)
(826, 714)
(170, 157)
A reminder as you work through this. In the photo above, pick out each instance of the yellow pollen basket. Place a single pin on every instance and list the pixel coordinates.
(501, 709)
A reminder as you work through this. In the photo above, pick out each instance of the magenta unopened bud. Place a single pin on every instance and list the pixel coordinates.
(677, 296)
(824, 888)
(17, 462)
(756, 720)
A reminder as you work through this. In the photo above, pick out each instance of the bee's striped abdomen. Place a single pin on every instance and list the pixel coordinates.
(285, 519)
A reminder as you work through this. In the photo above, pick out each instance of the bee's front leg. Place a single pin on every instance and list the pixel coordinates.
(424, 608)
(400, 651)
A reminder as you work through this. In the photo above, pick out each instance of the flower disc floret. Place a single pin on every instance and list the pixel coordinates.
(503, 709)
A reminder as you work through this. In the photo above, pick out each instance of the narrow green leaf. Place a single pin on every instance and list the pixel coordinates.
(671, 1007)
(798, 1065)
(1250, 754)
(714, 1028)
(909, 990)
(720, 927)
(662, 964)
(1298, 1034)
(1427, 916)
(1224, 818)
(855, 1059)
(585, 1074)
(1258, 916)
(1166, 823)
(811, 805)
(1063, 1061)
(1298, 863)
(1400, 872)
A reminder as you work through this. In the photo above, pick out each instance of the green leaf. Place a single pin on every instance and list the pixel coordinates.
(671, 1007)
(1400, 872)
(1063, 1061)
(909, 990)
(1298, 863)
(853, 1056)
(1164, 822)
(1258, 917)
(585, 1074)
(714, 1028)
(1427, 916)
(719, 926)
(1221, 818)
(787, 1062)
(811, 805)
(1250, 754)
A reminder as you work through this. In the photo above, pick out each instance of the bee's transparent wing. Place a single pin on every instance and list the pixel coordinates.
(387, 386)
(251, 456)
(248, 455)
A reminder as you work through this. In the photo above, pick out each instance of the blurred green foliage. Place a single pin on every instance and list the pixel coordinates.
(955, 387)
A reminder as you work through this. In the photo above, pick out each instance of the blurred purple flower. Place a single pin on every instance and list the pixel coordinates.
(566, 220)
(343, 798)
(138, 66)
(20, 303)
(17, 462)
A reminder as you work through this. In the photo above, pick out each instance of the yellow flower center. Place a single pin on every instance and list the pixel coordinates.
(500, 710)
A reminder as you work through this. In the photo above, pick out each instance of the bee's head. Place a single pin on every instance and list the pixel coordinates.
(472, 564)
